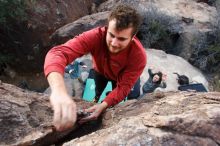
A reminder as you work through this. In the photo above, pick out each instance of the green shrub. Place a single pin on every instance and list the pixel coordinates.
(5, 58)
(206, 52)
(206, 49)
(216, 82)
(12, 11)
(157, 29)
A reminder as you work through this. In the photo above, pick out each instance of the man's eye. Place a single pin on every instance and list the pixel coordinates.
(111, 35)
(121, 39)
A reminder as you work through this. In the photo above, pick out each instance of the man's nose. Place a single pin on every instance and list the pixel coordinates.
(114, 42)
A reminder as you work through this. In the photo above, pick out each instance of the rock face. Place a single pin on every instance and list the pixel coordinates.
(25, 118)
(189, 21)
(43, 18)
(169, 64)
(184, 28)
(190, 26)
(174, 118)
(73, 29)
(21, 113)
(57, 13)
(171, 118)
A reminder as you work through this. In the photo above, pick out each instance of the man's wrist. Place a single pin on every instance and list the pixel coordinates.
(104, 105)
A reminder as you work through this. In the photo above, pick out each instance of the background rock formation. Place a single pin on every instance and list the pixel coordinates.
(32, 37)
(168, 64)
(188, 29)
(182, 28)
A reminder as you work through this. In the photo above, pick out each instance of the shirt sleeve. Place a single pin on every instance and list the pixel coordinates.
(58, 57)
(126, 80)
(150, 72)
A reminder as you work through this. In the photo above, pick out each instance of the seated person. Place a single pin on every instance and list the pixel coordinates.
(154, 81)
(182, 79)
(74, 70)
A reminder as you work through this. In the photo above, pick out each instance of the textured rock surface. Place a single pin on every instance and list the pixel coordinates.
(25, 118)
(192, 20)
(174, 118)
(43, 18)
(171, 118)
(190, 26)
(85, 23)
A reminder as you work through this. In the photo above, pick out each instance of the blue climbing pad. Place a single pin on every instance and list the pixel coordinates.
(89, 91)
(197, 87)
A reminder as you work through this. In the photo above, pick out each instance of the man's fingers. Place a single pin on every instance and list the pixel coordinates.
(90, 110)
(73, 114)
(68, 118)
(94, 115)
(57, 116)
(89, 118)
(64, 116)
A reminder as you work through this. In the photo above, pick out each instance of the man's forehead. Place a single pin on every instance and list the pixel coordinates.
(119, 32)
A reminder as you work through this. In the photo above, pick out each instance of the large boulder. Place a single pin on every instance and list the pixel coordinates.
(169, 64)
(26, 117)
(174, 118)
(171, 118)
(77, 27)
(32, 37)
(183, 28)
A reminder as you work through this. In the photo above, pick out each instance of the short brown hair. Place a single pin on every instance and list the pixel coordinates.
(125, 16)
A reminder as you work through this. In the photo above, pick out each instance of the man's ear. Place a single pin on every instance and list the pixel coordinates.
(133, 36)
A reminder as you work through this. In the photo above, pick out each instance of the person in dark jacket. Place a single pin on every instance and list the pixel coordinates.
(154, 81)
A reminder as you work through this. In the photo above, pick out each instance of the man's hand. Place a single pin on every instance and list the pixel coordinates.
(95, 111)
(64, 111)
(64, 107)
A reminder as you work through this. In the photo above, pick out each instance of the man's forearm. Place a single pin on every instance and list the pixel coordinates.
(56, 82)
(62, 104)
(104, 105)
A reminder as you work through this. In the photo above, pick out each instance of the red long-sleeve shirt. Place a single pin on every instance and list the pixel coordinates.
(124, 67)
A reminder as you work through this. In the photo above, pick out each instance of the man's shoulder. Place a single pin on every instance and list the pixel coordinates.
(98, 30)
(93, 35)
(138, 52)
(137, 47)
(137, 44)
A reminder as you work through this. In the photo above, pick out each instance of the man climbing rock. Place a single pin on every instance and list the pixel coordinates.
(117, 55)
